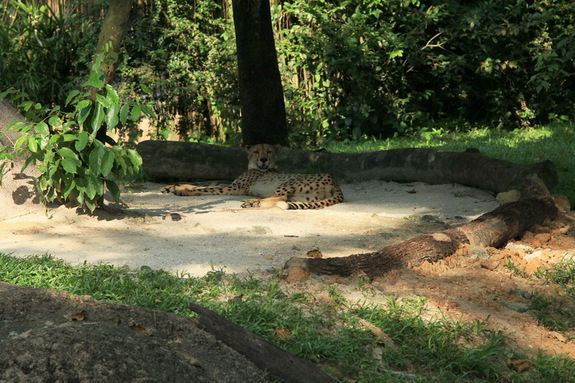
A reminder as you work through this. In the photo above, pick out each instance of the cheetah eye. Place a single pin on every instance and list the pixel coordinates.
(256, 152)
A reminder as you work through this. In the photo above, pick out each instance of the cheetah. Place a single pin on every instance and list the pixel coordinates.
(262, 180)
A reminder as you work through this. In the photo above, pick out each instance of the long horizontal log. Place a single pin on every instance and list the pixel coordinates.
(281, 364)
(493, 229)
(183, 161)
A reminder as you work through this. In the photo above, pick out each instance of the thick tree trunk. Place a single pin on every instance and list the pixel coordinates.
(261, 92)
(266, 356)
(493, 229)
(113, 30)
(180, 161)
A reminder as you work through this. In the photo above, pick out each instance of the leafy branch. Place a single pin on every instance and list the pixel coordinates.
(75, 165)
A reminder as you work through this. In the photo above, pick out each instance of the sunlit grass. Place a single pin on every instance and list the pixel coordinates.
(329, 333)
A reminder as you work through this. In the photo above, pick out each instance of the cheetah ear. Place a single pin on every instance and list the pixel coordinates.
(277, 147)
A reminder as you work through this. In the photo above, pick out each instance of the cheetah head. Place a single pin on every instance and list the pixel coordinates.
(262, 156)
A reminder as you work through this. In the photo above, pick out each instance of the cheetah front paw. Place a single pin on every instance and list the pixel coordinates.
(181, 190)
(251, 203)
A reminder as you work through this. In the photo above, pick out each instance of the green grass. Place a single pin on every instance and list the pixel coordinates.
(555, 142)
(327, 332)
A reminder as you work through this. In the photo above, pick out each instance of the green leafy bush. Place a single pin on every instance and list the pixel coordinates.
(66, 145)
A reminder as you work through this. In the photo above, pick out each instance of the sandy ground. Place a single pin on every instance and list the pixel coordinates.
(196, 234)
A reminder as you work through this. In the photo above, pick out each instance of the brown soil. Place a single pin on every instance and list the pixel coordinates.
(478, 284)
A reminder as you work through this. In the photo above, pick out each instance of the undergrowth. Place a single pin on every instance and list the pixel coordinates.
(330, 333)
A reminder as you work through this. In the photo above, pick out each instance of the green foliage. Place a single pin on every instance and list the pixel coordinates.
(66, 144)
(187, 51)
(350, 69)
(43, 51)
(379, 68)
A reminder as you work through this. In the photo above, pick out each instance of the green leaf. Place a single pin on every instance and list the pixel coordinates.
(107, 163)
(83, 104)
(32, 145)
(69, 165)
(95, 160)
(71, 95)
(93, 185)
(135, 157)
(135, 114)
(114, 189)
(91, 205)
(19, 142)
(112, 116)
(69, 137)
(82, 141)
(80, 197)
(112, 95)
(146, 89)
(97, 120)
(104, 101)
(53, 169)
(148, 111)
(124, 113)
(98, 61)
(396, 53)
(69, 153)
(118, 155)
(42, 129)
(96, 80)
(69, 185)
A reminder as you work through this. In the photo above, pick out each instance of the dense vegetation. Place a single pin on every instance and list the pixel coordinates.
(351, 69)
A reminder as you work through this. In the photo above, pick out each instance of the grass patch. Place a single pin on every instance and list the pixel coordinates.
(329, 331)
(555, 142)
(557, 312)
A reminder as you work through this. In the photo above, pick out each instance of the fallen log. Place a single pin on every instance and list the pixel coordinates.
(184, 161)
(493, 229)
(266, 356)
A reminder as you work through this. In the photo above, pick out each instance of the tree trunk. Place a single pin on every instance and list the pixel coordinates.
(261, 92)
(181, 161)
(113, 30)
(493, 229)
(266, 356)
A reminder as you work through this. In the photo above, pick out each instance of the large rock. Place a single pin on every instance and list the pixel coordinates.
(49, 336)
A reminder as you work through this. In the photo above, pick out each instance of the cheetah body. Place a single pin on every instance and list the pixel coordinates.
(262, 180)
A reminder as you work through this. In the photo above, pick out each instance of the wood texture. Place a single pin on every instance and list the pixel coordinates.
(182, 161)
(493, 229)
(279, 363)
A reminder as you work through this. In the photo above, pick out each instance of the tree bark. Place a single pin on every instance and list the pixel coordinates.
(266, 356)
(261, 92)
(113, 30)
(493, 229)
(180, 161)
